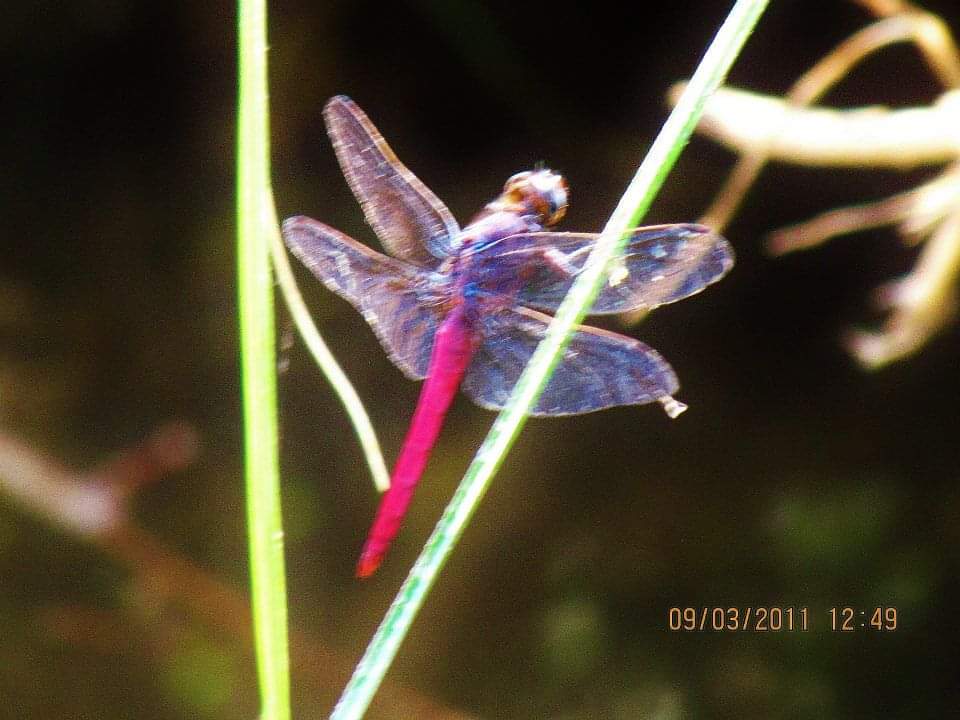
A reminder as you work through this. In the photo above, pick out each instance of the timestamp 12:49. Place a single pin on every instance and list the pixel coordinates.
(850, 619)
(778, 619)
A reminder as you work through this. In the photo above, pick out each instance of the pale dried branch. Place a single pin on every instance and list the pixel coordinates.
(841, 221)
(875, 137)
(927, 31)
(761, 128)
(920, 304)
(917, 212)
(931, 35)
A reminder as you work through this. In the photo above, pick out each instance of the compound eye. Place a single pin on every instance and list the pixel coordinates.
(515, 181)
(557, 201)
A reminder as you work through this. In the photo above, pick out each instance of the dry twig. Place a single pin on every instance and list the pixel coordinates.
(764, 128)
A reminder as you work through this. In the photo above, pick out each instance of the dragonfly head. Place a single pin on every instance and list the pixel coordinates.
(537, 192)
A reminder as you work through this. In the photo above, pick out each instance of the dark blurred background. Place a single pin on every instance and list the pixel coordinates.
(795, 479)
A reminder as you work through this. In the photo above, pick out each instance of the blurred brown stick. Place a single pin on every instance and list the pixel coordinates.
(92, 506)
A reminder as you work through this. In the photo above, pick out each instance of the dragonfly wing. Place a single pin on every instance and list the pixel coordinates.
(664, 263)
(409, 219)
(599, 369)
(396, 299)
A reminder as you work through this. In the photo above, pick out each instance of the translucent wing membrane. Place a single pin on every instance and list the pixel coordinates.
(664, 263)
(411, 222)
(599, 369)
(399, 301)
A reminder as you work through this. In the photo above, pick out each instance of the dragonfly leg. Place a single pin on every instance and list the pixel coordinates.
(559, 262)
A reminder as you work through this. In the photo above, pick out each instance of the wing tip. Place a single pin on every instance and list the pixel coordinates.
(724, 248)
(338, 101)
(672, 407)
(294, 222)
(721, 247)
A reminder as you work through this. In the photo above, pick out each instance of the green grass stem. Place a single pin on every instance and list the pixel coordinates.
(329, 367)
(256, 225)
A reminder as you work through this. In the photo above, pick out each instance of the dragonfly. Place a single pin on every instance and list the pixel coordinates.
(466, 307)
